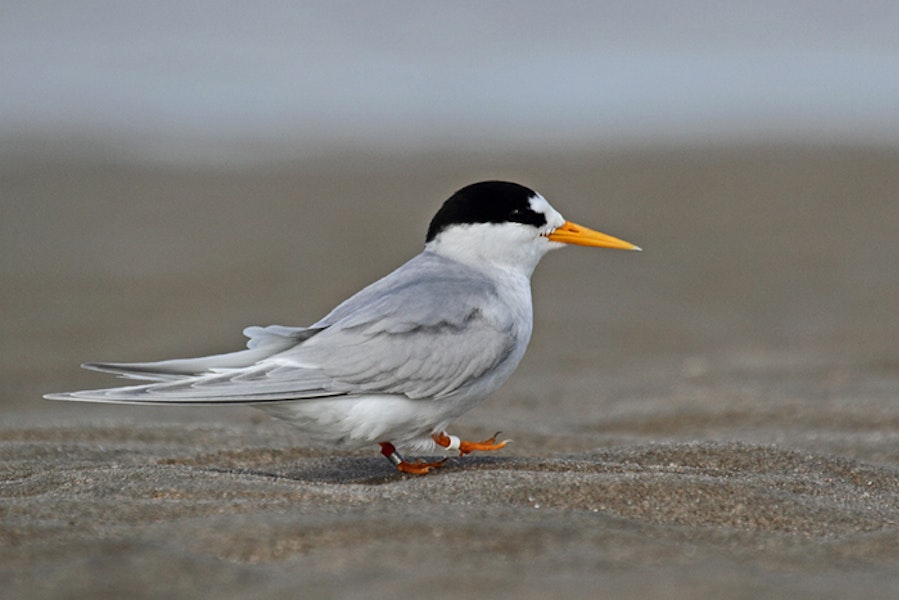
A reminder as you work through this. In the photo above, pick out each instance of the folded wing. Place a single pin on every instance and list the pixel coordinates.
(422, 337)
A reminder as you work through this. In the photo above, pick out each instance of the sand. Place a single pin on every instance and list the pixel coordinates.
(715, 417)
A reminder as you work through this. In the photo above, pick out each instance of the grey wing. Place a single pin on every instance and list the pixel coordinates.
(425, 338)
(429, 345)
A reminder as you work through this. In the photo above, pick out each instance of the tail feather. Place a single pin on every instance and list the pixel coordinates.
(263, 343)
(181, 368)
(146, 395)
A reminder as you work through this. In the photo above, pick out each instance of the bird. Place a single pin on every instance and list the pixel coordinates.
(401, 359)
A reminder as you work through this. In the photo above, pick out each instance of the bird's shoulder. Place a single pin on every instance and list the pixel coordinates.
(426, 291)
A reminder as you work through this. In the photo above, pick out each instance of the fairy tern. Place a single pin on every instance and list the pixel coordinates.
(400, 360)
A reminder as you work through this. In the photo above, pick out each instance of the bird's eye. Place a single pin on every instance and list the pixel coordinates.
(526, 216)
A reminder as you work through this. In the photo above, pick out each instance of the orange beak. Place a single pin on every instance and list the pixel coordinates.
(572, 233)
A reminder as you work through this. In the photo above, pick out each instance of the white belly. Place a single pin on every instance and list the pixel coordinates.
(356, 421)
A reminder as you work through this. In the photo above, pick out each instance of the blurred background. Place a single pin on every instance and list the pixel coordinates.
(205, 82)
(175, 171)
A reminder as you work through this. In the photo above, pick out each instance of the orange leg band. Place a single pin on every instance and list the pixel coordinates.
(453, 443)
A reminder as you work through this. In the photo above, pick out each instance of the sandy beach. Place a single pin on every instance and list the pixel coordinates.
(715, 417)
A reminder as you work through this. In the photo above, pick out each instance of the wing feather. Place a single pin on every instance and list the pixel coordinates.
(427, 330)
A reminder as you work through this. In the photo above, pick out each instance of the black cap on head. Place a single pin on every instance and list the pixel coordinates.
(487, 202)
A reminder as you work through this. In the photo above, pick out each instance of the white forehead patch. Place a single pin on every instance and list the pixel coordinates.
(540, 205)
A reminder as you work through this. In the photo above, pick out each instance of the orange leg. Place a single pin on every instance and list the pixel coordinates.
(451, 442)
(414, 468)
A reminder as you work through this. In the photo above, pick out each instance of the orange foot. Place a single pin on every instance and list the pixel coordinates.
(418, 467)
(451, 442)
